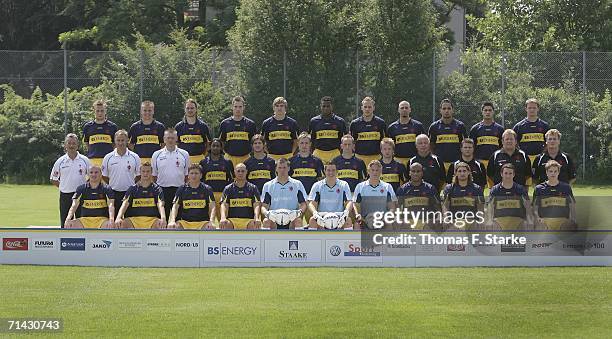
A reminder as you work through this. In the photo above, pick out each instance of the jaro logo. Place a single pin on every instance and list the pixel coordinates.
(404, 138)
(237, 136)
(191, 139)
(327, 134)
(15, 244)
(100, 139)
(98, 244)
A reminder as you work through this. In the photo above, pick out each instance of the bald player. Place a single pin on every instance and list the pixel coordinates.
(404, 131)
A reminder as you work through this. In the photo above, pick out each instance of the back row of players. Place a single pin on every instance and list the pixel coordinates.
(404, 142)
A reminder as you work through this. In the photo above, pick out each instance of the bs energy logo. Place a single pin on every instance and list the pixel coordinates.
(232, 250)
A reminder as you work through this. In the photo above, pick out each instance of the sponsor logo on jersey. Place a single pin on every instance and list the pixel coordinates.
(100, 139)
(93, 204)
(532, 137)
(72, 244)
(554, 202)
(416, 201)
(260, 174)
(327, 134)
(348, 173)
(237, 136)
(503, 204)
(15, 244)
(191, 139)
(143, 202)
(304, 172)
(187, 204)
(487, 140)
(215, 175)
(390, 177)
(462, 201)
(147, 139)
(368, 136)
(404, 138)
(241, 202)
(447, 139)
(279, 135)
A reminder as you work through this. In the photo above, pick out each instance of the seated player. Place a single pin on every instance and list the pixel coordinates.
(143, 204)
(283, 199)
(194, 203)
(350, 168)
(96, 201)
(479, 171)
(393, 172)
(509, 207)
(240, 203)
(217, 172)
(372, 195)
(260, 167)
(418, 196)
(555, 206)
(462, 196)
(330, 196)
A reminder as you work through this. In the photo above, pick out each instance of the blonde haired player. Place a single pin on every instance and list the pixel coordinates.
(96, 201)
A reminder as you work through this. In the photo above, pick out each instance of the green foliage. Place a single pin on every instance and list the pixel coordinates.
(545, 25)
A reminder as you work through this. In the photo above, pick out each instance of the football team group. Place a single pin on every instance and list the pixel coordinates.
(330, 176)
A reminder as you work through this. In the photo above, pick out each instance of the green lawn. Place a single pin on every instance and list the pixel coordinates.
(314, 302)
(40, 203)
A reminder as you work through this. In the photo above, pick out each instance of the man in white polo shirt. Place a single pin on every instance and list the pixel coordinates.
(120, 168)
(68, 173)
(170, 167)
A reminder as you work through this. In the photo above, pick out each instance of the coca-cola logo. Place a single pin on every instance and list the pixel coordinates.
(15, 244)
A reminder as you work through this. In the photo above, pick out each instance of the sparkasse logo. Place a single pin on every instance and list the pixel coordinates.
(15, 244)
(358, 251)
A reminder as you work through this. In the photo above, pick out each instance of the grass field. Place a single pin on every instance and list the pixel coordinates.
(303, 302)
(41, 203)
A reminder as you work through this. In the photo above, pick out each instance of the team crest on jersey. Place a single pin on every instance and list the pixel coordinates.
(177, 163)
(80, 171)
(129, 167)
(338, 190)
(291, 188)
(382, 190)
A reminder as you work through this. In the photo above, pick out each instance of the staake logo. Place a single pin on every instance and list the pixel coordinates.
(15, 244)
(292, 254)
(97, 244)
(44, 244)
(293, 245)
(72, 244)
(294, 251)
(335, 250)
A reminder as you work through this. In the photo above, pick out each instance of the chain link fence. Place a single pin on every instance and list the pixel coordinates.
(570, 86)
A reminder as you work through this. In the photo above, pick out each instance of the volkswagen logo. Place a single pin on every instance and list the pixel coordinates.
(335, 250)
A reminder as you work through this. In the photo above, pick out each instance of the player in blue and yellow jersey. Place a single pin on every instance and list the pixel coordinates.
(446, 134)
(260, 167)
(236, 132)
(404, 131)
(479, 171)
(280, 131)
(304, 166)
(240, 203)
(326, 130)
(508, 206)
(194, 204)
(98, 134)
(393, 172)
(487, 134)
(367, 131)
(217, 172)
(554, 202)
(509, 153)
(433, 167)
(193, 133)
(531, 130)
(146, 135)
(143, 204)
(463, 196)
(350, 168)
(416, 196)
(552, 152)
(96, 201)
